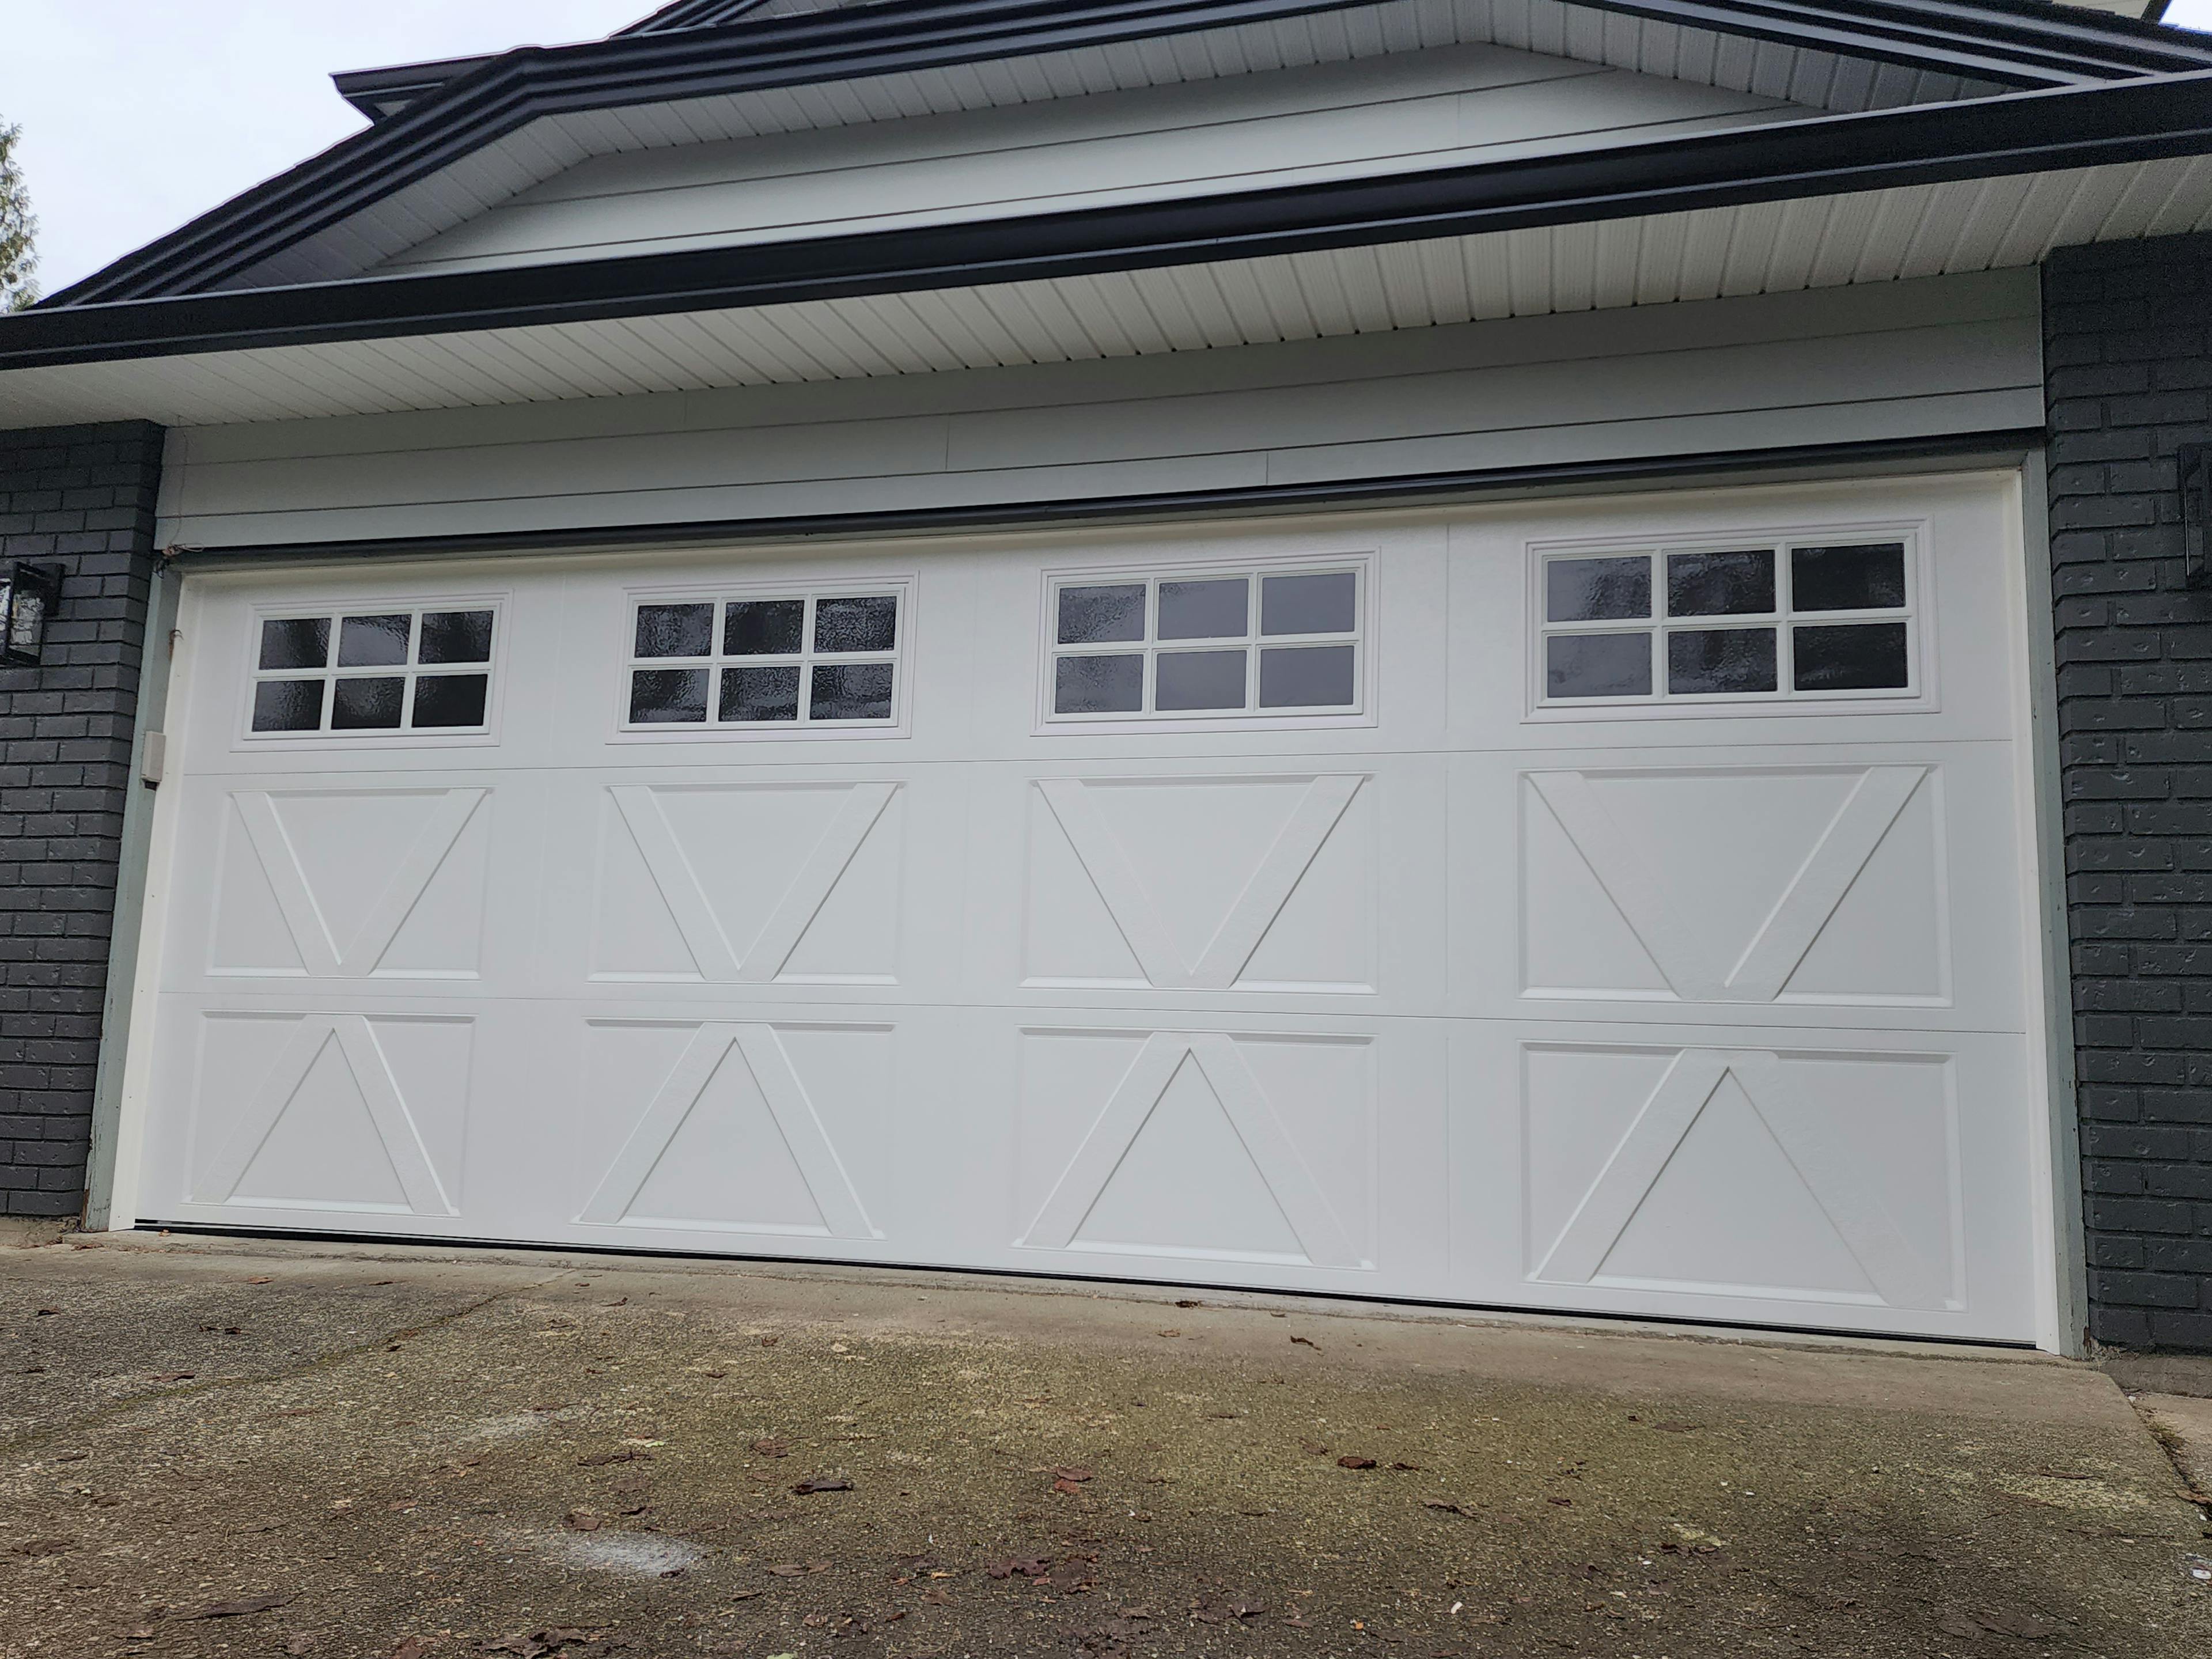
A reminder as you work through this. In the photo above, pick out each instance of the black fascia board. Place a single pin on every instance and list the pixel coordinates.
(379, 93)
(509, 92)
(2026, 132)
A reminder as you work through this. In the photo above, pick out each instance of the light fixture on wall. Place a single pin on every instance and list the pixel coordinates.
(28, 594)
(2193, 468)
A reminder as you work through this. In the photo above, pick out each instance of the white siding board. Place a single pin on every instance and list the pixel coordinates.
(1613, 385)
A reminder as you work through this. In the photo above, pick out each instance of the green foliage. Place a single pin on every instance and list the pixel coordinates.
(19, 262)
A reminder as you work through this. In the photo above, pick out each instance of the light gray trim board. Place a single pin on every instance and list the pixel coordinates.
(130, 898)
(1883, 362)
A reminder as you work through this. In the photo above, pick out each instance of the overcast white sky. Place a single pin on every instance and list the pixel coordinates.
(138, 114)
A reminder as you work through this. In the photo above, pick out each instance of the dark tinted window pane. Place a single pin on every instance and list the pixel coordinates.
(1205, 610)
(664, 696)
(856, 625)
(449, 700)
(852, 691)
(367, 705)
(1310, 676)
(1596, 590)
(295, 642)
(287, 706)
(1720, 659)
(455, 636)
(760, 693)
(1101, 616)
(1199, 679)
(1869, 657)
(676, 630)
(1597, 666)
(765, 628)
(1847, 578)
(1720, 584)
(1098, 686)
(1310, 605)
(373, 641)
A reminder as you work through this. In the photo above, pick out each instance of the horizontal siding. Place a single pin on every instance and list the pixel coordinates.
(1444, 107)
(1218, 57)
(1924, 358)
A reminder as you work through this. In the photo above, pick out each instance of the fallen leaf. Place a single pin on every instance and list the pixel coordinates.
(1678, 1428)
(1188, 1302)
(938, 1597)
(1564, 1503)
(1444, 1505)
(265, 1279)
(1067, 1486)
(1171, 1332)
(49, 1313)
(1307, 1342)
(769, 1341)
(605, 1458)
(1355, 1462)
(413, 1647)
(582, 1521)
(70, 1457)
(240, 1609)
(1079, 1476)
(1028, 1566)
(1313, 1447)
(172, 1377)
(1409, 1469)
(788, 1569)
(771, 1448)
(41, 1547)
(818, 1484)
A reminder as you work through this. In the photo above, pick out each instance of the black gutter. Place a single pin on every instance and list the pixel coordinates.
(1406, 491)
(2027, 133)
(380, 94)
(2019, 49)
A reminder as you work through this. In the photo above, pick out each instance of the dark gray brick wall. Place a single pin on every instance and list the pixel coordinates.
(81, 497)
(2128, 333)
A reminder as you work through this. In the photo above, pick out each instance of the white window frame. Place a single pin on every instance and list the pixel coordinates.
(713, 728)
(403, 736)
(1917, 614)
(1359, 565)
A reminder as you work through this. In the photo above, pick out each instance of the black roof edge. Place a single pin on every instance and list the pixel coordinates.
(690, 14)
(379, 94)
(2039, 47)
(2026, 133)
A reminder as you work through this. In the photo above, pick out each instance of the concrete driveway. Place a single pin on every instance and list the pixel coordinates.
(225, 1447)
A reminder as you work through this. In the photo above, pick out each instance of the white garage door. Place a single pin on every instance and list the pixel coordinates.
(1617, 907)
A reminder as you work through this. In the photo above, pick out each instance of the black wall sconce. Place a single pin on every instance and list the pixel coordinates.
(28, 594)
(2193, 464)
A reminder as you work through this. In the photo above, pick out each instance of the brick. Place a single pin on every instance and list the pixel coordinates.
(65, 736)
(2129, 368)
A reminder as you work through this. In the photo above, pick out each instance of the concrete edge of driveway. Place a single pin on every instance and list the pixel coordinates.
(307, 1247)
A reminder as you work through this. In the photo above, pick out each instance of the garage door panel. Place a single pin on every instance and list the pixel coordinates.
(791, 883)
(739, 1126)
(1218, 884)
(294, 1111)
(1734, 884)
(1850, 1179)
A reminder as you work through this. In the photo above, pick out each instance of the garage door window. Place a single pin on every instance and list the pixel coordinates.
(763, 661)
(385, 670)
(1799, 621)
(1186, 646)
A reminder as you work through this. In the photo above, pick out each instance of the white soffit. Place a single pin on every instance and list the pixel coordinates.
(1768, 248)
(541, 150)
